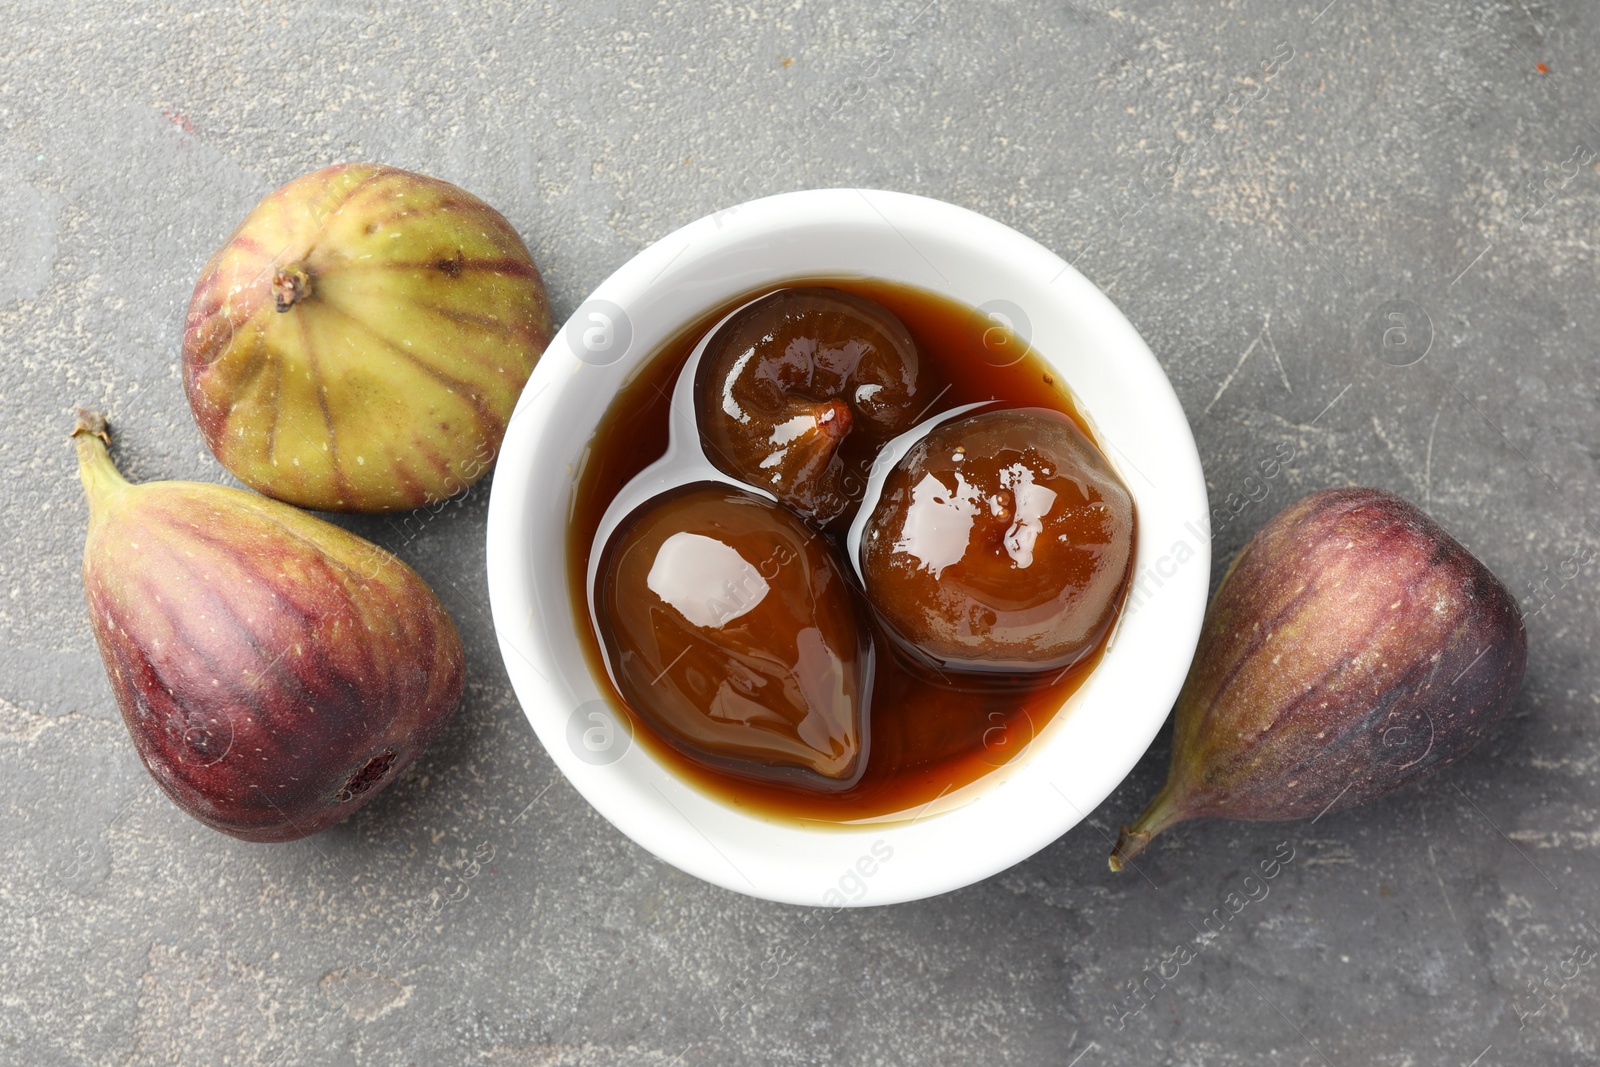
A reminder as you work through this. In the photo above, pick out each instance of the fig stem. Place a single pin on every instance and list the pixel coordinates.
(95, 469)
(290, 285)
(1132, 840)
(835, 419)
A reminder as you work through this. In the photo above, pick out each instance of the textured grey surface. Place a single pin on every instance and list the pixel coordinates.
(1407, 151)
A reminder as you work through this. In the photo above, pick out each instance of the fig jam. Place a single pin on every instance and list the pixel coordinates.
(931, 732)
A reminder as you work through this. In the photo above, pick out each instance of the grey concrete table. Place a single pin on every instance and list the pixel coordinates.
(1419, 166)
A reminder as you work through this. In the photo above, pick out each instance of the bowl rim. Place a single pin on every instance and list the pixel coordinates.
(1011, 813)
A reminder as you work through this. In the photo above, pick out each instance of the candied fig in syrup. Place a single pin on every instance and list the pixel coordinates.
(799, 385)
(1001, 542)
(731, 629)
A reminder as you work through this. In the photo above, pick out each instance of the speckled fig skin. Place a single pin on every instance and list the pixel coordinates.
(360, 341)
(1353, 648)
(274, 671)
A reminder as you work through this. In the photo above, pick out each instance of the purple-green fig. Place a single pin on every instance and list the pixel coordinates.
(274, 670)
(1353, 648)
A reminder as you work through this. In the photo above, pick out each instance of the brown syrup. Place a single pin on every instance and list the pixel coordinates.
(929, 735)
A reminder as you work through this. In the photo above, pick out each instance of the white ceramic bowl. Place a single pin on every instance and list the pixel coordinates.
(1070, 766)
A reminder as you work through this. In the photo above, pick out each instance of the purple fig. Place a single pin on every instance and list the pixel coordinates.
(1354, 647)
(274, 671)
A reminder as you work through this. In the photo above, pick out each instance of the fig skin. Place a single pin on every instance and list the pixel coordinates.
(360, 341)
(274, 671)
(1353, 648)
(972, 570)
(731, 629)
(800, 388)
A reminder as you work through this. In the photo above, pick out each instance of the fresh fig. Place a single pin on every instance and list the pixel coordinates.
(1353, 647)
(274, 670)
(359, 342)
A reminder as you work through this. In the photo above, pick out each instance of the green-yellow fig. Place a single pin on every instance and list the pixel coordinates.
(1353, 647)
(359, 342)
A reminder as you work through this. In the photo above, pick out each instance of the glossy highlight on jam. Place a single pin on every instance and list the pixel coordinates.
(762, 663)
